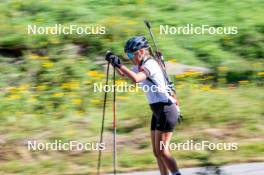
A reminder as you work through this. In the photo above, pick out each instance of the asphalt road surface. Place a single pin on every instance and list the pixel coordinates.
(234, 169)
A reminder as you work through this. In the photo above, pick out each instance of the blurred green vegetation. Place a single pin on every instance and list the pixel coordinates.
(46, 82)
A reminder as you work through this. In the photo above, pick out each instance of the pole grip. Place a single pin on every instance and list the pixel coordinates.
(147, 24)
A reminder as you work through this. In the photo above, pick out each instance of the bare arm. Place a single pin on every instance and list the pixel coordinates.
(120, 72)
(135, 77)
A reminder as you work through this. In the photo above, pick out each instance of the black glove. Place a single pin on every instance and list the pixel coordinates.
(116, 62)
(113, 59)
(109, 56)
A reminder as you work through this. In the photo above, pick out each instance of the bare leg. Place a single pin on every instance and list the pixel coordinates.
(164, 153)
(162, 167)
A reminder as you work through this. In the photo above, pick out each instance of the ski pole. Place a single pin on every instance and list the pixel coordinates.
(152, 36)
(114, 123)
(157, 51)
(159, 56)
(109, 57)
(103, 119)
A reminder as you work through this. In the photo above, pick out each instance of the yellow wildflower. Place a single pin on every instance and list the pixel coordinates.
(41, 87)
(180, 76)
(192, 73)
(14, 97)
(47, 64)
(122, 98)
(76, 101)
(243, 82)
(74, 84)
(100, 75)
(58, 94)
(95, 101)
(131, 22)
(206, 88)
(120, 82)
(23, 88)
(260, 73)
(92, 73)
(70, 85)
(222, 69)
(173, 60)
(65, 85)
(34, 57)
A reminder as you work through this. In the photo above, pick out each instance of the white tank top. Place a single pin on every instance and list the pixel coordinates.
(154, 72)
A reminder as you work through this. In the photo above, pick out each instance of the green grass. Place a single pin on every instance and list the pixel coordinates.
(234, 115)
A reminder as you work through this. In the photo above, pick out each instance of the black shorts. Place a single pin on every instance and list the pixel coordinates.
(164, 117)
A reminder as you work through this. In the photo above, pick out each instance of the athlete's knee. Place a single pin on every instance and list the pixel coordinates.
(163, 153)
(158, 152)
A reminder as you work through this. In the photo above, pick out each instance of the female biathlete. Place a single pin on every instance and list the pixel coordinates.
(163, 105)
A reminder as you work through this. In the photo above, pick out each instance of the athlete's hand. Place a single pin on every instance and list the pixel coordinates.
(159, 54)
(116, 62)
(177, 102)
(109, 56)
(113, 59)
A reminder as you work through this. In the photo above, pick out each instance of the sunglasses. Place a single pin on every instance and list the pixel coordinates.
(130, 55)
